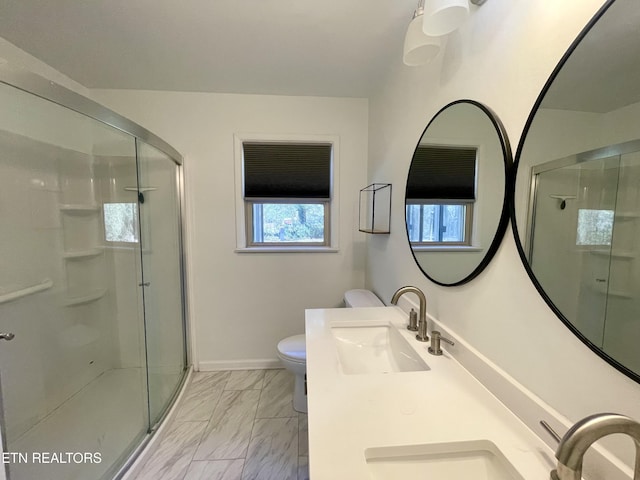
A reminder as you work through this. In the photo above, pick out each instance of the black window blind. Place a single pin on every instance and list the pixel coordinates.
(287, 170)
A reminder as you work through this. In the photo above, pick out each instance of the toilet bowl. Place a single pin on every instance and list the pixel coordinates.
(292, 351)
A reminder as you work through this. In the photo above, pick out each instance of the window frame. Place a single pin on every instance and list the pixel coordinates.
(468, 225)
(250, 221)
(244, 210)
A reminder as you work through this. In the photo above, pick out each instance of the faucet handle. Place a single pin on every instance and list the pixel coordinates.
(436, 338)
(413, 321)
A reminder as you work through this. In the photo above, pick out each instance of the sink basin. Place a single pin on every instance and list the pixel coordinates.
(479, 460)
(379, 348)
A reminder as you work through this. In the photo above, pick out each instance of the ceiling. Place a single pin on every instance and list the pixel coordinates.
(603, 73)
(285, 47)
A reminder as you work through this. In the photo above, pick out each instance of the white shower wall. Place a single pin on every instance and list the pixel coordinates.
(51, 197)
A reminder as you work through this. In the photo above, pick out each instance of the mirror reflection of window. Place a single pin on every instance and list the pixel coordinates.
(595, 227)
(446, 224)
(440, 195)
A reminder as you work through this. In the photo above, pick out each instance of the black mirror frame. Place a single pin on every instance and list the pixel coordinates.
(512, 205)
(504, 215)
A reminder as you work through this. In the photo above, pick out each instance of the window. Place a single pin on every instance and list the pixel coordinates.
(595, 227)
(441, 195)
(121, 222)
(445, 224)
(287, 193)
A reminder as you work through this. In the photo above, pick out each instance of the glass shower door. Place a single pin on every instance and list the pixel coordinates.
(159, 203)
(574, 222)
(74, 396)
(622, 328)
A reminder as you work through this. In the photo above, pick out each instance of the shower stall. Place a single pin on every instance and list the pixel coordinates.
(583, 244)
(92, 309)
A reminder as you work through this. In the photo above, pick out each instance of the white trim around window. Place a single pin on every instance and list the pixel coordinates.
(241, 234)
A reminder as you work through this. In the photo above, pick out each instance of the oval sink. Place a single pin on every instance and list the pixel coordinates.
(477, 460)
(379, 348)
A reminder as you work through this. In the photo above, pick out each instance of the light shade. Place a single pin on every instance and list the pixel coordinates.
(419, 48)
(442, 17)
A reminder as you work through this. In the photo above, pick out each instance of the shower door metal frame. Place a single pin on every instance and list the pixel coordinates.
(590, 155)
(41, 87)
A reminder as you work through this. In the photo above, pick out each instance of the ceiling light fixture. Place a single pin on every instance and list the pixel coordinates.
(419, 49)
(442, 17)
(431, 20)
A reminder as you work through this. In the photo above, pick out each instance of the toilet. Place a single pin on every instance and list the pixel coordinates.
(292, 351)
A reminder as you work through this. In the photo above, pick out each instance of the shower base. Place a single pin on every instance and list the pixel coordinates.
(107, 415)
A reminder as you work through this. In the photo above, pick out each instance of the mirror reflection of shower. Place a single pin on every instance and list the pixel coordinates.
(584, 221)
(562, 200)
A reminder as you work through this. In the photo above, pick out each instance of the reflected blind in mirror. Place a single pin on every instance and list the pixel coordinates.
(442, 173)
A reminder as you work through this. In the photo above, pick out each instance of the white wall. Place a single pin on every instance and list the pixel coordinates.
(242, 304)
(17, 58)
(501, 57)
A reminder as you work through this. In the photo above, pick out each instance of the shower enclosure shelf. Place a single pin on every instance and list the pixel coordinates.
(624, 255)
(79, 254)
(84, 299)
(79, 208)
(626, 215)
(613, 293)
(621, 254)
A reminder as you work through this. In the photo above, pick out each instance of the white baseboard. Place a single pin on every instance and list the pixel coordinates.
(253, 364)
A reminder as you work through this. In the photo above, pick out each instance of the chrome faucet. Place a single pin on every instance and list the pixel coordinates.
(422, 320)
(579, 438)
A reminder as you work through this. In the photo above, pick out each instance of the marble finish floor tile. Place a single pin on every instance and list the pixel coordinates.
(273, 451)
(229, 431)
(245, 380)
(202, 395)
(303, 468)
(303, 435)
(218, 432)
(215, 470)
(276, 400)
(171, 459)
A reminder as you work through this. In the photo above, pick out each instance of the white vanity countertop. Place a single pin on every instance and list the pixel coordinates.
(350, 413)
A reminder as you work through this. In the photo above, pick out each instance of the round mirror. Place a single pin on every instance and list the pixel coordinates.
(455, 201)
(576, 215)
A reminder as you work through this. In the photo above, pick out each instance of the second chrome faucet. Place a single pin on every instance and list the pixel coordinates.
(422, 320)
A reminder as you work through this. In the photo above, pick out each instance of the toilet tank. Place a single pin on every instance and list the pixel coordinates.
(361, 298)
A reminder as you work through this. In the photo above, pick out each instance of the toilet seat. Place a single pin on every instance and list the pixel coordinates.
(293, 349)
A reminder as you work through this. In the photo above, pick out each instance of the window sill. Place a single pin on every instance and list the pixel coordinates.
(443, 248)
(291, 249)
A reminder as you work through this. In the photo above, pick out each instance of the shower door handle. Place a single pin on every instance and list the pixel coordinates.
(7, 336)
(144, 284)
